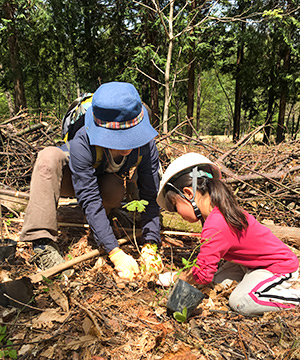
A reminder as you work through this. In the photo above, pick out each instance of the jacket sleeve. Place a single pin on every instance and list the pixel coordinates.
(148, 183)
(213, 249)
(87, 192)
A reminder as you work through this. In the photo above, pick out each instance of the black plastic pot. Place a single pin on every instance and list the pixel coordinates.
(8, 250)
(20, 290)
(183, 295)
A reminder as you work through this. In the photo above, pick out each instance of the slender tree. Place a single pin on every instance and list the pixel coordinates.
(191, 73)
(9, 13)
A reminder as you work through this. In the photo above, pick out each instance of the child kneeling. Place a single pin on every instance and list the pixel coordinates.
(262, 264)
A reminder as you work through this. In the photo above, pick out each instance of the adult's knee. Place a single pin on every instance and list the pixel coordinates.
(50, 161)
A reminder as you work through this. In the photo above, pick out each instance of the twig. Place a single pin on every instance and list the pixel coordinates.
(90, 314)
(243, 142)
(32, 128)
(25, 305)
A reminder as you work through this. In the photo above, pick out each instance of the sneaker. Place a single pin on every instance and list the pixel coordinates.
(47, 255)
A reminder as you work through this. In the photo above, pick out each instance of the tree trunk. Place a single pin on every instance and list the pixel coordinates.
(238, 88)
(297, 127)
(191, 81)
(198, 101)
(155, 113)
(38, 93)
(19, 92)
(167, 70)
(151, 38)
(269, 115)
(283, 98)
(191, 93)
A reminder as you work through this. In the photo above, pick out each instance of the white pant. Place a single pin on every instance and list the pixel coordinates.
(259, 290)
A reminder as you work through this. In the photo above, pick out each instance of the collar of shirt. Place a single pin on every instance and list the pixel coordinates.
(114, 167)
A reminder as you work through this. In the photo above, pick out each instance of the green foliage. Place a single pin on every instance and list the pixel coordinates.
(3, 104)
(190, 262)
(136, 205)
(187, 264)
(180, 316)
(8, 221)
(9, 352)
(275, 13)
(47, 280)
(68, 47)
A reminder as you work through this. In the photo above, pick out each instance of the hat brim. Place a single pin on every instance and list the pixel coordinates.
(124, 139)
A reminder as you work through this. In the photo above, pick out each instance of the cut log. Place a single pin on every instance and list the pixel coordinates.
(286, 234)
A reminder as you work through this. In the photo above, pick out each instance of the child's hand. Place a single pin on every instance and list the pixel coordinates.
(167, 279)
(188, 277)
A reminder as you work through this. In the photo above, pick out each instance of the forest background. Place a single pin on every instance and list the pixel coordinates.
(222, 67)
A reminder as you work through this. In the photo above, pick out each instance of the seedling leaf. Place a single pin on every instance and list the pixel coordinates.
(136, 205)
(180, 316)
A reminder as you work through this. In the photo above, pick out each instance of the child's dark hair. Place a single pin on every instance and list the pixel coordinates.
(220, 195)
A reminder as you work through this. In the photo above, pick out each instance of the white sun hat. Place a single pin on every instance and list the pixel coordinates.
(183, 162)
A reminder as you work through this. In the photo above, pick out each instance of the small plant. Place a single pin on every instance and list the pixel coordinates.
(8, 221)
(181, 316)
(47, 281)
(136, 206)
(188, 263)
(161, 294)
(9, 352)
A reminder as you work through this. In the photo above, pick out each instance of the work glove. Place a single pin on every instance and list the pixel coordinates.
(166, 279)
(150, 259)
(125, 265)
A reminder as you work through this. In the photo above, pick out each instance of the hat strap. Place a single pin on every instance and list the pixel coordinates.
(195, 174)
(191, 201)
(194, 187)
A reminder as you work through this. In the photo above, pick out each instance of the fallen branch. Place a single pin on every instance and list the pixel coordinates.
(97, 328)
(281, 232)
(243, 142)
(32, 128)
(14, 193)
(70, 263)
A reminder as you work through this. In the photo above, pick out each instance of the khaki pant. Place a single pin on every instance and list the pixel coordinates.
(51, 178)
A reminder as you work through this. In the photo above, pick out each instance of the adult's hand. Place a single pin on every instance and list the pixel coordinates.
(125, 265)
(150, 259)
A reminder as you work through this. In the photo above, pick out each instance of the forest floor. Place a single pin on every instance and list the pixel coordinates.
(92, 315)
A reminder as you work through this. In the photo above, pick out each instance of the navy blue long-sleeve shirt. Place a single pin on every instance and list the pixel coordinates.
(85, 175)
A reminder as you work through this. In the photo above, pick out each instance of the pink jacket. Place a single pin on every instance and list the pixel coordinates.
(255, 248)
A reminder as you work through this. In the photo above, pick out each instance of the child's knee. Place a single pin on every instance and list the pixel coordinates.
(243, 304)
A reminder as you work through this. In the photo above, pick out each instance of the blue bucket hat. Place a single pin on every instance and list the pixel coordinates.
(117, 119)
